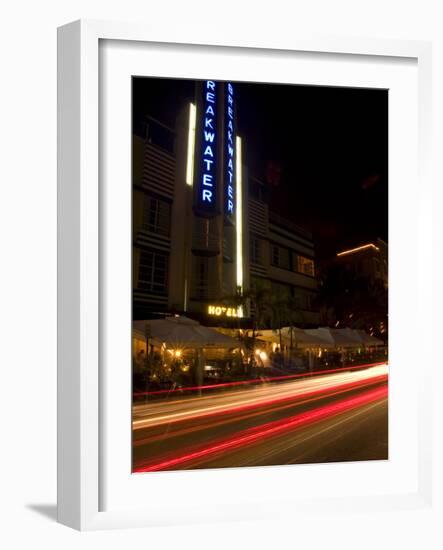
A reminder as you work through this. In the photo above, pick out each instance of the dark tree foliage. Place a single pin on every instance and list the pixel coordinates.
(350, 300)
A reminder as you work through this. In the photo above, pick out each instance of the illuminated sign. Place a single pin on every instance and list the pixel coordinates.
(224, 311)
(364, 247)
(229, 144)
(207, 184)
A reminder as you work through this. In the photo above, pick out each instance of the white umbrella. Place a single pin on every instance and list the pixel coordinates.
(345, 337)
(368, 340)
(300, 338)
(181, 332)
(333, 337)
(349, 335)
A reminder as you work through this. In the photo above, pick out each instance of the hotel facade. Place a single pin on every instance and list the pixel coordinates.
(203, 231)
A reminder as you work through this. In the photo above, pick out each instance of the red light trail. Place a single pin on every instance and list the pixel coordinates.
(258, 380)
(270, 429)
(292, 399)
(231, 415)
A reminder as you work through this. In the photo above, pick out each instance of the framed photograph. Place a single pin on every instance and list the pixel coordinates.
(243, 230)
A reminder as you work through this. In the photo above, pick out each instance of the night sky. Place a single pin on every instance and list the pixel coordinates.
(329, 145)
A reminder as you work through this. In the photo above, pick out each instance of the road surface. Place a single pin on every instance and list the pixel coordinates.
(340, 416)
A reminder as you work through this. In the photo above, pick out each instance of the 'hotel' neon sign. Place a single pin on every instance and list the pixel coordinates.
(223, 311)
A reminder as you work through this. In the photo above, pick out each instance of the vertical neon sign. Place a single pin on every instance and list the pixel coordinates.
(229, 172)
(207, 188)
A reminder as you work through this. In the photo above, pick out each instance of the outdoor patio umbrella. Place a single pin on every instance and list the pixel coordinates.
(350, 335)
(300, 338)
(369, 341)
(334, 337)
(180, 332)
(360, 336)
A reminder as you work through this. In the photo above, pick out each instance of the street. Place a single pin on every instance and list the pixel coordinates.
(338, 416)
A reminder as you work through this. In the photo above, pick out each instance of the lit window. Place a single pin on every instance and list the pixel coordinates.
(305, 266)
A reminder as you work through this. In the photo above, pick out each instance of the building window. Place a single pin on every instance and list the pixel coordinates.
(156, 216)
(281, 291)
(305, 266)
(302, 301)
(258, 284)
(298, 305)
(159, 135)
(274, 255)
(257, 190)
(153, 272)
(280, 257)
(256, 251)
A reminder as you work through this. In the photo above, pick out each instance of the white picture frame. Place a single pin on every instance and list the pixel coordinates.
(80, 260)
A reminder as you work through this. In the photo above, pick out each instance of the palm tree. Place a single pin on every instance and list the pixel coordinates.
(260, 302)
(294, 316)
(285, 312)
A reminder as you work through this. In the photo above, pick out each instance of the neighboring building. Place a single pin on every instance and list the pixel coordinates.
(281, 256)
(368, 260)
(354, 289)
(201, 235)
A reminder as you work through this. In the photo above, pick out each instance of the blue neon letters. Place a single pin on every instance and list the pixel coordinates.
(212, 144)
(229, 151)
(208, 175)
